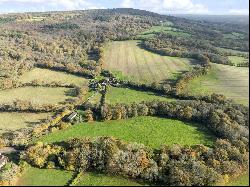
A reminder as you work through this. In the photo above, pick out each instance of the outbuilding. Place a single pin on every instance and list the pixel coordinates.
(3, 161)
(71, 117)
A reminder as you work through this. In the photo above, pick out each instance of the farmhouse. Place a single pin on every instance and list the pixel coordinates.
(3, 161)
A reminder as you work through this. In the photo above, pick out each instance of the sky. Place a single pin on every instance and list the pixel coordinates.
(213, 7)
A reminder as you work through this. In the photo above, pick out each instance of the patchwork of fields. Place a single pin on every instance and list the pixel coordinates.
(37, 95)
(133, 62)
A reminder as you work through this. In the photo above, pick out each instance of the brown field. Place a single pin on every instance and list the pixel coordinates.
(128, 60)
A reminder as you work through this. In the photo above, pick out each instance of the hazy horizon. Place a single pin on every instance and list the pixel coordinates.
(166, 7)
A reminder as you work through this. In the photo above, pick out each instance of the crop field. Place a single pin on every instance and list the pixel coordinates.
(15, 120)
(37, 95)
(231, 81)
(50, 76)
(150, 131)
(141, 65)
(126, 95)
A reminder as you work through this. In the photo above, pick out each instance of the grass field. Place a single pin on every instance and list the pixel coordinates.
(44, 177)
(163, 29)
(15, 121)
(95, 179)
(237, 60)
(37, 95)
(151, 131)
(234, 52)
(141, 65)
(242, 180)
(125, 95)
(50, 177)
(49, 76)
(228, 80)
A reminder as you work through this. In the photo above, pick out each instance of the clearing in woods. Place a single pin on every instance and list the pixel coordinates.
(15, 120)
(230, 81)
(141, 65)
(49, 76)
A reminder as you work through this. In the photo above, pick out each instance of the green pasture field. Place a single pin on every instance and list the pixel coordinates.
(234, 52)
(150, 131)
(126, 95)
(234, 35)
(37, 95)
(242, 180)
(15, 120)
(50, 76)
(44, 177)
(230, 81)
(96, 179)
(141, 65)
(237, 60)
(51, 177)
(162, 29)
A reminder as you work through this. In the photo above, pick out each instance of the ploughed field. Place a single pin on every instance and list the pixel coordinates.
(127, 59)
(230, 81)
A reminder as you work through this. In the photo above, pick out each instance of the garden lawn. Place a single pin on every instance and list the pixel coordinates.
(150, 131)
(126, 95)
(44, 177)
(50, 76)
(139, 65)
